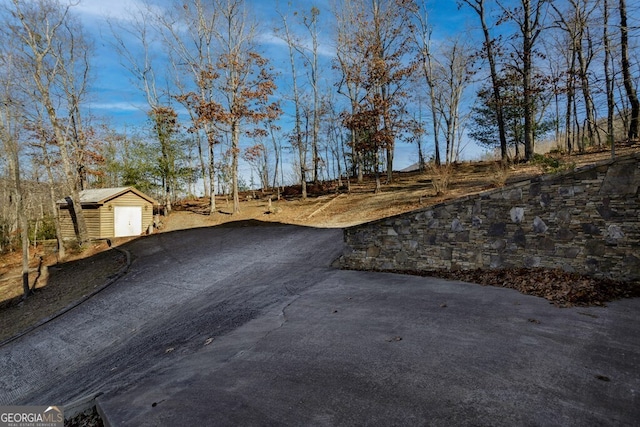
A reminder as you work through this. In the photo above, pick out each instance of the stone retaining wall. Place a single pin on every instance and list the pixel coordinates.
(585, 221)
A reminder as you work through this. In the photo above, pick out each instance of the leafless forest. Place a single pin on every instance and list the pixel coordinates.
(345, 87)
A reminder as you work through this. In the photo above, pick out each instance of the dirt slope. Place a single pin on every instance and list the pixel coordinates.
(328, 205)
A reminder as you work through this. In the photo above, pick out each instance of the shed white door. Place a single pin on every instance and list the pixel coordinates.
(127, 220)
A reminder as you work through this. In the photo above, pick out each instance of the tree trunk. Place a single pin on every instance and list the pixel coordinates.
(212, 175)
(302, 149)
(495, 83)
(52, 196)
(24, 236)
(42, 78)
(56, 223)
(82, 233)
(608, 80)
(303, 182)
(276, 150)
(376, 170)
(389, 164)
(303, 168)
(421, 162)
(570, 96)
(502, 135)
(586, 93)
(21, 214)
(436, 130)
(235, 148)
(316, 131)
(577, 141)
(428, 70)
(203, 167)
(527, 70)
(626, 73)
(166, 180)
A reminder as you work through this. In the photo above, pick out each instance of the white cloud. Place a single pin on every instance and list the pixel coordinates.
(110, 9)
(324, 46)
(271, 39)
(118, 106)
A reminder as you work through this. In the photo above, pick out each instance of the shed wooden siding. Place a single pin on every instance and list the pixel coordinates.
(66, 224)
(100, 219)
(107, 226)
(91, 216)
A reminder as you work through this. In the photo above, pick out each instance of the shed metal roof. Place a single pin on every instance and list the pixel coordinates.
(100, 196)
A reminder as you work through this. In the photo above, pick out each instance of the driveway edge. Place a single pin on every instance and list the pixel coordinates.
(114, 278)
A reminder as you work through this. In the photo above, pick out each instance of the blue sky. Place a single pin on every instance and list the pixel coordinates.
(115, 98)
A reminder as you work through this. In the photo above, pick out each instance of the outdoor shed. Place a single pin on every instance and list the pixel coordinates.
(110, 212)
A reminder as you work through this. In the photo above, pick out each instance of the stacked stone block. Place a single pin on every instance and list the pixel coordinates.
(585, 221)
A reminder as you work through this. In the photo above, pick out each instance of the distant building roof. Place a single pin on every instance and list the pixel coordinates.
(411, 168)
(100, 196)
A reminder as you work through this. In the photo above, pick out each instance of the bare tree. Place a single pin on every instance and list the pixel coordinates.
(133, 41)
(244, 83)
(74, 84)
(349, 62)
(417, 132)
(42, 142)
(452, 76)
(336, 138)
(274, 131)
(306, 51)
(529, 17)
(388, 71)
(569, 87)
(422, 31)
(634, 124)
(383, 46)
(46, 54)
(609, 81)
(576, 22)
(311, 57)
(189, 35)
(165, 126)
(258, 158)
(37, 134)
(297, 139)
(489, 51)
(9, 135)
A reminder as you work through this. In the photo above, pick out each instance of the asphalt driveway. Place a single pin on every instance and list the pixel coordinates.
(252, 326)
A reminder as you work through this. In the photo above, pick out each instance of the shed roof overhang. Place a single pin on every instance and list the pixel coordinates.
(100, 196)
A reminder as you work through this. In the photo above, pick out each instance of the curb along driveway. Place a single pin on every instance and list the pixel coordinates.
(252, 326)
